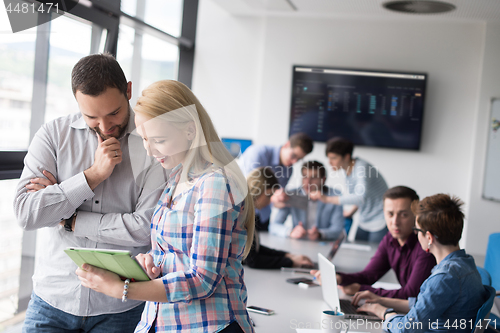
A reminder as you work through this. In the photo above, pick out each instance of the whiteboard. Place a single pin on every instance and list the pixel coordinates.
(491, 188)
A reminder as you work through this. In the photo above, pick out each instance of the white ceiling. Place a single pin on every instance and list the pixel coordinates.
(471, 10)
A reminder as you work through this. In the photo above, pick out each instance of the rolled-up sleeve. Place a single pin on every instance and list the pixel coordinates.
(47, 207)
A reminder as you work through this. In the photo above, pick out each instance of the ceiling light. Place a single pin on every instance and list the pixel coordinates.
(419, 7)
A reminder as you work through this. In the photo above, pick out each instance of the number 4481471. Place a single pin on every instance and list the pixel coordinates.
(464, 324)
(33, 8)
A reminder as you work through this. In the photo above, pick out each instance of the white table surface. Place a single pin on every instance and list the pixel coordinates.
(295, 307)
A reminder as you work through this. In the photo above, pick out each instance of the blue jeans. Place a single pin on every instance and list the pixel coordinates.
(42, 317)
(373, 237)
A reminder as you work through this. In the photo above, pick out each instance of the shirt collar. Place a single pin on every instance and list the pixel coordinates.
(175, 171)
(81, 124)
(410, 242)
(455, 254)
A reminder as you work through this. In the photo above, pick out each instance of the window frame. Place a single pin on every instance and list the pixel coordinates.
(103, 14)
(107, 16)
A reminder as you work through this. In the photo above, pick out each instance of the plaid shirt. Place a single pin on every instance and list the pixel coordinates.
(198, 240)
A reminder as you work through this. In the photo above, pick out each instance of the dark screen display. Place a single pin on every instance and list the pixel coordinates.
(370, 108)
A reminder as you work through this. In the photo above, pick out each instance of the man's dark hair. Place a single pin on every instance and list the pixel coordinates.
(442, 216)
(302, 140)
(95, 73)
(314, 166)
(339, 146)
(398, 192)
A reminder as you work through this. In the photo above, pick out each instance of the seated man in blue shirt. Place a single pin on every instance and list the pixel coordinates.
(281, 160)
(320, 220)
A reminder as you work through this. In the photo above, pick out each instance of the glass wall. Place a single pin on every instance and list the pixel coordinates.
(148, 50)
(10, 251)
(159, 61)
(64, 53)
(165, 15)
(17, 60)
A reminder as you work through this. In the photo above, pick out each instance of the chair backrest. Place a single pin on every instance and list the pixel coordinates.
(484, 311)
(485, 276)
(492, 259)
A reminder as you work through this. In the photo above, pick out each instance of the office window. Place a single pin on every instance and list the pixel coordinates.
(125, 50)
(17, 58)
(145, 58)
(145, 53)
(165, 15)
(160, 60)
(10, 251)
(65, 51)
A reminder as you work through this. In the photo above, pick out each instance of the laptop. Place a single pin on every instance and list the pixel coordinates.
(334, 249)
(331, 254)
(331, 294)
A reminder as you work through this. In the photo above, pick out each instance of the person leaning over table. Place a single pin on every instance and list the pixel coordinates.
(261, 184)
(201, 229)
(79, 188)
(399, 250)
(365, 187)
(281, 160)
(454, 291)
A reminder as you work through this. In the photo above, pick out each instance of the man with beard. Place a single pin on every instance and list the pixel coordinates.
(80, 189)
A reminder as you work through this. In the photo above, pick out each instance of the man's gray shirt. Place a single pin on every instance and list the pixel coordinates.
(116, 215)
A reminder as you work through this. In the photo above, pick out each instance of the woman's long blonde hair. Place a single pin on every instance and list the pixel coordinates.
(163, 97)
(260, 180)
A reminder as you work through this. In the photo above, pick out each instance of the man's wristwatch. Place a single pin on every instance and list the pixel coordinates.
(68, 223)
(389, 310)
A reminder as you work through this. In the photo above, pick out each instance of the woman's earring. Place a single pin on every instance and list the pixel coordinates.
(428, 246)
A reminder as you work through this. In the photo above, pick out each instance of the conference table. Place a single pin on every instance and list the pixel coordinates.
(295, 307)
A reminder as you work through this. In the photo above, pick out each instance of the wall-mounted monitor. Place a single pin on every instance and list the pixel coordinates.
(370, 108)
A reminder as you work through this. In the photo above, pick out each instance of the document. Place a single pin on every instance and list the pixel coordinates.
(116, 261)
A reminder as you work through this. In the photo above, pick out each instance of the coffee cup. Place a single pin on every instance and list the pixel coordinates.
(333, 322)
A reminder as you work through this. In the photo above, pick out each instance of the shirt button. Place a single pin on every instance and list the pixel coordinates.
(97, 201)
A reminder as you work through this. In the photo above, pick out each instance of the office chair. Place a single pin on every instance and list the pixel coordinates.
(492, 259)
(484, 311)
(485, 276)
(491, 265)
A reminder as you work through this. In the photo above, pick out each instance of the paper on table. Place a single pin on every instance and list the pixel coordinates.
(116, 261)
(386, 285)
(360, 247)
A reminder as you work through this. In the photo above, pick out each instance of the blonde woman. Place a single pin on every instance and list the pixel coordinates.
(262, 184)
(202, 227)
